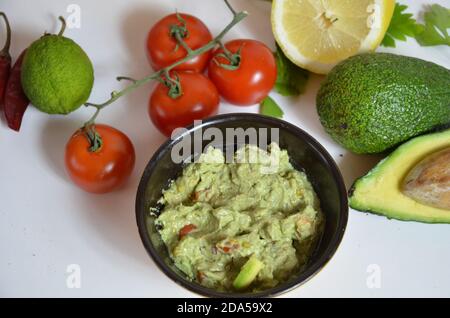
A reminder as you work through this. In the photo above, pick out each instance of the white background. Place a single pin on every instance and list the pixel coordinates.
(46, 223)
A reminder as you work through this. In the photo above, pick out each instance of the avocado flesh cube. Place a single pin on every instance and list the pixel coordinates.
(248, 273)
(379, 191)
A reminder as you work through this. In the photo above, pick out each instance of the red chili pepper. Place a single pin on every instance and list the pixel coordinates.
(15, 102)
(5, 60)
(185, 230)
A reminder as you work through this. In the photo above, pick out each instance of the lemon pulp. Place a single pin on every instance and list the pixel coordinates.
(317, 34)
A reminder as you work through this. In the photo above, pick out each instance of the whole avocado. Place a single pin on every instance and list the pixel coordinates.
(57, 75)
(371, 102)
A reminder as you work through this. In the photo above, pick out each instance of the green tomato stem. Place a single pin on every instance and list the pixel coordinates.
(233, 58)
(183, 44)
(226, 52)
(95, 140)
(179, 32)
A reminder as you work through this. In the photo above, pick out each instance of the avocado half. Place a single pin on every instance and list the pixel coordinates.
(379, 191)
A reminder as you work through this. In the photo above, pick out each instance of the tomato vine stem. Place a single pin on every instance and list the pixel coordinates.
(115, 95)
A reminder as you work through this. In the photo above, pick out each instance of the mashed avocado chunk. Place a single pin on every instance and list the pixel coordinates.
(218, 215)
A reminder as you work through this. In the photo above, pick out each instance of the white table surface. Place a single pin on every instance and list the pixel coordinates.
(46, 223)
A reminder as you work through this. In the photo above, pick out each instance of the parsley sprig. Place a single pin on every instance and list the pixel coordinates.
(402, 25)
(433, 32)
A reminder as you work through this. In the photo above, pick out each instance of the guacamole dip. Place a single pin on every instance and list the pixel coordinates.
(237, 225)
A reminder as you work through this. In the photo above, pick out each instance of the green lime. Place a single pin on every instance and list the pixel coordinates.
(57, 75)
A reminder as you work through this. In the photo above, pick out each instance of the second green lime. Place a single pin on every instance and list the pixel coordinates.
(57, 75)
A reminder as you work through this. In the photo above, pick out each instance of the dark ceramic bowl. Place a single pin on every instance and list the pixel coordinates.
(306, 154)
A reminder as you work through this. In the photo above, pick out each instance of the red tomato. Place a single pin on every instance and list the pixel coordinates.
(162, 46)
(105, 169)
(199, 100)
(185, 230)
(254, 78)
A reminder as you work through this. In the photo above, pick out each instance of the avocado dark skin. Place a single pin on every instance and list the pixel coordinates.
(372, 102)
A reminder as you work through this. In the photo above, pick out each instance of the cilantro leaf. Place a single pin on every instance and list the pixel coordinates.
(270, 108)
(291, 79)
(435, 30)
(402, 25)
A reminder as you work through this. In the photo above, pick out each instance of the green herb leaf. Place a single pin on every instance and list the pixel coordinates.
(435, 30)
(291, 79)
(270, 108)
(402, 25)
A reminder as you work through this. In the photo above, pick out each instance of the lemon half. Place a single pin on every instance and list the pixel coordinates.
(318, 34)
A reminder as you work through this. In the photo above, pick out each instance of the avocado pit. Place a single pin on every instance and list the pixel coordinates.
(429, 181)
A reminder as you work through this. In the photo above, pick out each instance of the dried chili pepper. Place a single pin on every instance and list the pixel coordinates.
(5, 59)
(15, 101)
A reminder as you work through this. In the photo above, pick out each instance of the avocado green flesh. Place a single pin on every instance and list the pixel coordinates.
(239, 210)
(380, 190)
(372, 102)
(248, 273)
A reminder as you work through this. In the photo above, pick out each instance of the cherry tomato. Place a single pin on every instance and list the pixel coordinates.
(105, 169)
(163, 49)
(255, 76)
(199, 100)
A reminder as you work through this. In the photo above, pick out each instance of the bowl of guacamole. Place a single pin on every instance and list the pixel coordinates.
(239, 218)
